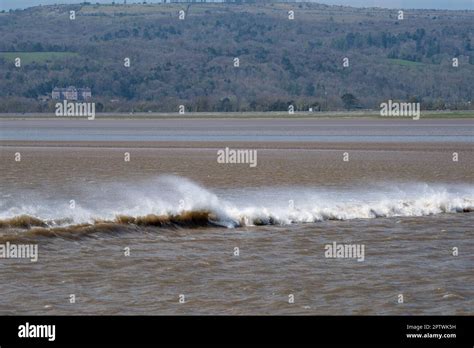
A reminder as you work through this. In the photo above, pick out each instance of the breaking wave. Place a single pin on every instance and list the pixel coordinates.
(174, 202)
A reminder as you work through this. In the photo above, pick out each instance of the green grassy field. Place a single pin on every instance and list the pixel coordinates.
(38, 57)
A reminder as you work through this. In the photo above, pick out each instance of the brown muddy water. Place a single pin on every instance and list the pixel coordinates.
(181, 215)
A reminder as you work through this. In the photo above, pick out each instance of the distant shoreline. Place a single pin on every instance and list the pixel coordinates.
(247, 115)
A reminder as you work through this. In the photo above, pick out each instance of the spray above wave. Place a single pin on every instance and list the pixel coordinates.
(169, 201)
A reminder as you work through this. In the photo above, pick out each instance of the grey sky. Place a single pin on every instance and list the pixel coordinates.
(432, 4)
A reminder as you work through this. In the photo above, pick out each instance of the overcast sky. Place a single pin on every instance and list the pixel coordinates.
(434, 4)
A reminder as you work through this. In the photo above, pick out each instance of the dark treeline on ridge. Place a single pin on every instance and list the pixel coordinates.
(191, 62)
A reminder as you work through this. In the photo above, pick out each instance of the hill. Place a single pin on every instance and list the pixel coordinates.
(192, 61)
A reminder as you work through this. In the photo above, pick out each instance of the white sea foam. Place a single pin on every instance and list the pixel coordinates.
(170, 195)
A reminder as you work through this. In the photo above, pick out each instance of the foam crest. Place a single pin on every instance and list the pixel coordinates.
(171, 200)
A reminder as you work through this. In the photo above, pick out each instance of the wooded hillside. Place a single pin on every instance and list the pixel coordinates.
(192, 61)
